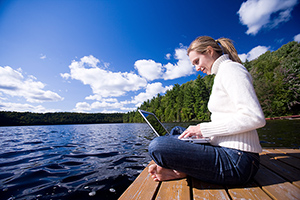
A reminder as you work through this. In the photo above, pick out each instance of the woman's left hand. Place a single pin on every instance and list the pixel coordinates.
(191, 131)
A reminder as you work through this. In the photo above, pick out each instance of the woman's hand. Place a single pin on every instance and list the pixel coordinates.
(191, 131)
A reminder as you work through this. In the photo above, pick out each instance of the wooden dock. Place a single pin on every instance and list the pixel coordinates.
(277, 178)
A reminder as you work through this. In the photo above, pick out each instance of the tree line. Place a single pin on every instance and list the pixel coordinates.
(28, 118)
(276, 79)
(186, 102)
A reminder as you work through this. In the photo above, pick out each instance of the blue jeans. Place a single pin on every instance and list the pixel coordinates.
(205, 162)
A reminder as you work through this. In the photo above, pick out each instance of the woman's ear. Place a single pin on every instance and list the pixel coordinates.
(210, 50)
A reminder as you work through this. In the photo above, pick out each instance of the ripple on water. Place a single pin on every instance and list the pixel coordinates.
(70, 161)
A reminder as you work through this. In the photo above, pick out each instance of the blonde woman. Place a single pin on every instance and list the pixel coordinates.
(232, 157)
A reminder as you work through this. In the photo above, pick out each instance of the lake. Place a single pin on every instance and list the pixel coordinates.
(97, 161)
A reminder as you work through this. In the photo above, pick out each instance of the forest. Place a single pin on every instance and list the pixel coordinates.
(276, 79)
(27, 118)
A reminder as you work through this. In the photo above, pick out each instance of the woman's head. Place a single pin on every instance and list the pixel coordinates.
(208, 46)
(201, 43)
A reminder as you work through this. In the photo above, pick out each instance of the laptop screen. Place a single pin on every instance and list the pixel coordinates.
(154, 123)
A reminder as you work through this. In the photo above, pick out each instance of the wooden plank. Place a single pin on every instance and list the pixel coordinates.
(278, 178)
(142, 188)
(282, 169)
(202, 190)
(275, 186)
(283, 157)
(175, 189)
(291, 152)
(250, 191)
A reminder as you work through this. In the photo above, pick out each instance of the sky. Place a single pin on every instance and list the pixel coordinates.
(107, 56)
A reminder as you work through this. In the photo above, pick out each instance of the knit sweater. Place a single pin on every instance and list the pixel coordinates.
(235, 109)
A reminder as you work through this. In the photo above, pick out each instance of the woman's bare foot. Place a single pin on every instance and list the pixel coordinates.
(162, 174)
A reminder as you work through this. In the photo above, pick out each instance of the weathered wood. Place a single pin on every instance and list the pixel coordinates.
(250, 191)
(202, 190)
(284, 157)
(291, 152)
(176, 189)
(277, 178)
(275, 186)
(142, 188)
(288, 172)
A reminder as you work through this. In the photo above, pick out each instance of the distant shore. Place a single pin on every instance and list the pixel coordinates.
(284, 117)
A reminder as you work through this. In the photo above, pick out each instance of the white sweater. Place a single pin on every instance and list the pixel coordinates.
(235, 109)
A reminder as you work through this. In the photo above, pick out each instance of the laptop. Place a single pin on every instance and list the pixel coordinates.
(159, 129)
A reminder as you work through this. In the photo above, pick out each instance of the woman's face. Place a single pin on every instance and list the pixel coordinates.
(202, 62)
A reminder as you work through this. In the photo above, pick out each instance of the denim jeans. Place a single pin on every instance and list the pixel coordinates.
(205, 162)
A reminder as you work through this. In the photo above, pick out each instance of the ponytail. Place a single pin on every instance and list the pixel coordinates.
(220, 46)
(228, 48)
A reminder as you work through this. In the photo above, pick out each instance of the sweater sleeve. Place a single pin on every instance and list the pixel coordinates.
(237, 109)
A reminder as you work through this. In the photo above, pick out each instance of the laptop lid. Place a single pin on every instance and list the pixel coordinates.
(154, 123)
(159, 129)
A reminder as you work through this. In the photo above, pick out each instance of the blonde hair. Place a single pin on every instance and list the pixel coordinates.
(220, 46)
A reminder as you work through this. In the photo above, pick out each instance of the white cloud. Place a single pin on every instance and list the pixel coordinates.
(168, 56)
(243, 57)
(104, 83)
(182, 68)
(297, 38)
(254, 53)
(82, 106)
(258, 14)
(43, 57)
(104, 105)
(19, 107)
(65, 75)
(148, 69)
(109, 105)
(13, 83)
(151, 91)
(152, 70)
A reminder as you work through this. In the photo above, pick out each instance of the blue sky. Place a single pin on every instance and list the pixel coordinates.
(110, 56)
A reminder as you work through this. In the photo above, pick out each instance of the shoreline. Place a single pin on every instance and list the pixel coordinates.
(284, 117)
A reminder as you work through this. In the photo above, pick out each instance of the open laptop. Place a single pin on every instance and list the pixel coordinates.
(159, 129)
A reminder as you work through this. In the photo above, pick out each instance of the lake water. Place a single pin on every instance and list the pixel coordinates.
(90, 161)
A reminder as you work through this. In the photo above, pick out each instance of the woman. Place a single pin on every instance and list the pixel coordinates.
(232, 157)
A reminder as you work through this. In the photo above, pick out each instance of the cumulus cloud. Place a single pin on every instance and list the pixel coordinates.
(254, 53)
(148, 69)
(258, 14)
(84, 106)
(151, 70)
(168, 56)
(107, 105)
(151, 90)
(107, 85)
(104, 83)
(13, 83)
(297, 38)
(182, 68)
(243, 57)
(20, 107)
